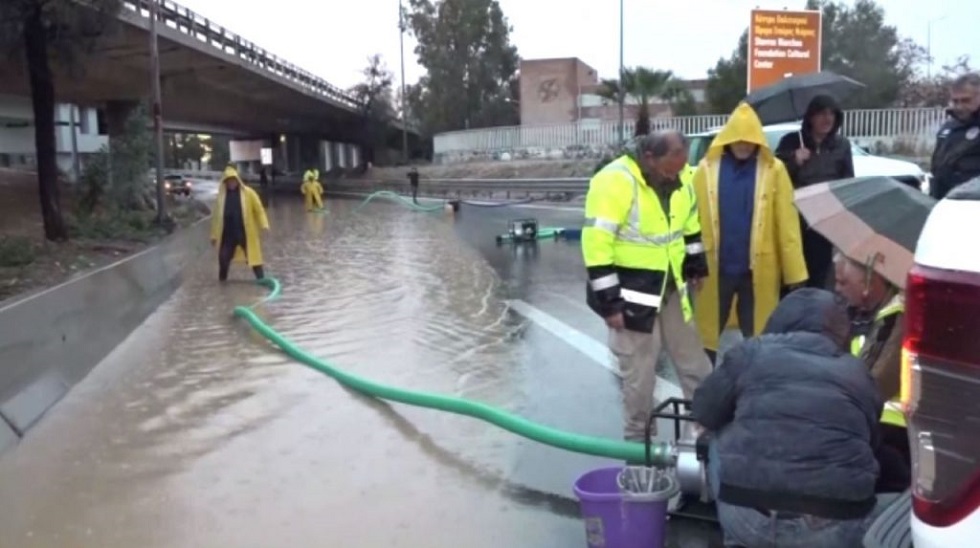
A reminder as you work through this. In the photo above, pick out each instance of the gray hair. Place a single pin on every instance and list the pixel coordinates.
(659, 143)
(963, 81)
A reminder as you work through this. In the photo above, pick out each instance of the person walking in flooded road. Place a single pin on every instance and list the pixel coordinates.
(793, 417)
(236, 221)
(642, 249)
(956, 158)
(750, 229)
(413, 182)
(816, 154)
(312, 191)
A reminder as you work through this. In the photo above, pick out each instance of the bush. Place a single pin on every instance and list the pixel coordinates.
(115, 224)
(16, 251)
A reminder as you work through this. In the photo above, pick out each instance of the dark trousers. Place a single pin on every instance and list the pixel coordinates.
(226, 253)
(415, 193)
(728, 288)
(894, 460)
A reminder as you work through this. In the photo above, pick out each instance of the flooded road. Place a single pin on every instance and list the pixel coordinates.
(195, 432)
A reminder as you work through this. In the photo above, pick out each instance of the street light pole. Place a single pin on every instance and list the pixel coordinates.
(929, 45)
(622, 71)
(157, 113)
(401, 39)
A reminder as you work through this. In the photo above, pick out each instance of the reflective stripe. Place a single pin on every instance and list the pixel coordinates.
(892, 414)
(605, 282)
(631, 232)
(602, 224)
(644, 299)
(694, 249)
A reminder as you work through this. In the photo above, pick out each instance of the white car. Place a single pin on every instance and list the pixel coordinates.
(941, 384)
(865, 163)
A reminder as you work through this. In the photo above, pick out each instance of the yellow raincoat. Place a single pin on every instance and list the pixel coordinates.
(253, 215)
(312, 192)
(776, 252)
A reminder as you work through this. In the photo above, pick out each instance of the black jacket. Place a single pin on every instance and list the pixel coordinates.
(956, 158)
(829, 161)
(795, 415)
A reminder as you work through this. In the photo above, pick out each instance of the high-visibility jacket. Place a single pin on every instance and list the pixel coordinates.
(632, 247)
(892, 413)
(687, 174)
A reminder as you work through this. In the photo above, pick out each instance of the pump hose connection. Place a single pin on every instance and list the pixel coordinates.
(663, 454)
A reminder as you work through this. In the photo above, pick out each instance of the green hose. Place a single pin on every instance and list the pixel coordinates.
(400, 199)
(589, 445)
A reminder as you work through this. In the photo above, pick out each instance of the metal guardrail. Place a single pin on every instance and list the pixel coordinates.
(203, 30)
(562, 188)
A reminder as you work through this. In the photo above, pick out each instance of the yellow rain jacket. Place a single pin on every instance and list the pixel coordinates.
(861, 347)
(776, 252)
(253, 215)
(312, 192)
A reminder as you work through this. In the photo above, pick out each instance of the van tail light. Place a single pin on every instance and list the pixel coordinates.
(941, 392)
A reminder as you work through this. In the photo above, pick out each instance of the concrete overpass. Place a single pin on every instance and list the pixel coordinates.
(210, 78)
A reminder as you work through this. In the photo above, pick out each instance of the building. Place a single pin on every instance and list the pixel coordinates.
(565, 91)
(17, 133)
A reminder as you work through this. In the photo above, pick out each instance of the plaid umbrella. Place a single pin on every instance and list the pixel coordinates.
(786, 100)
(873, 220)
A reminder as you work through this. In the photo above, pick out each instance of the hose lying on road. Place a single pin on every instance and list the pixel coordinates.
(477, 203)
(400, 199)
(589, 445)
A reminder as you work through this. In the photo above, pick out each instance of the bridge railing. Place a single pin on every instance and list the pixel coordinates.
(868, 125)
(179, 18)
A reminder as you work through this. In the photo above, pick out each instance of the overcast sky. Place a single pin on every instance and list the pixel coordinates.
(334, 38)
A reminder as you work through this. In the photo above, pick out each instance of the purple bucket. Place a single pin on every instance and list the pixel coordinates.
(614, 519)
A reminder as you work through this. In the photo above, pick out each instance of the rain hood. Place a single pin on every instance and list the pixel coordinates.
(231, 173)
(742, 125)
(812, 310)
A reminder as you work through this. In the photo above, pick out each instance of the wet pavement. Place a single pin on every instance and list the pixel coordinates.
(195, 432)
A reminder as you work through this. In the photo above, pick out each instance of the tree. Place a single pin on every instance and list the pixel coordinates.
(42, 33)
(642, 84)
(856, 42)
(378, 110)
(727, 81)
(182, 148)
(933, 90)
(471, 65)
(217, 148)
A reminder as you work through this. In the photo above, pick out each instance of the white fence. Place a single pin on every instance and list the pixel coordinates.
(912, 129)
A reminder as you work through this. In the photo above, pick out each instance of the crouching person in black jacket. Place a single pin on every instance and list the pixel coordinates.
(794, 419)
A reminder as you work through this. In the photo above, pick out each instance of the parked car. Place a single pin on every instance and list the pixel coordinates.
(865, 163)
(941, 384)
(177, 184)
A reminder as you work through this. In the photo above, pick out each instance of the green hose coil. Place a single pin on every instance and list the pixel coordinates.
(578, 443)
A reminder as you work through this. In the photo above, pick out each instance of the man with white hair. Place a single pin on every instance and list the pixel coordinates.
(956, 158)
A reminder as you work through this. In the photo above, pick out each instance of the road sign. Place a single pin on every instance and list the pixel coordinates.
(782, 43)
(266, 155)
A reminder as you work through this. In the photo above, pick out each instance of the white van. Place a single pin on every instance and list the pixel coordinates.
(865, 163)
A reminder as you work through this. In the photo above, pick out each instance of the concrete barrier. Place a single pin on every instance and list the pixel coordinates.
(52, 339)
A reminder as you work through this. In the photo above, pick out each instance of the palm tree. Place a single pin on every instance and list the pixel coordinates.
(644, 84)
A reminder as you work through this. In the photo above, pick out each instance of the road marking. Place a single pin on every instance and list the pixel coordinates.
(598, 352)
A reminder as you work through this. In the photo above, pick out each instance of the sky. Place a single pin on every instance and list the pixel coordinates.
(687, 38)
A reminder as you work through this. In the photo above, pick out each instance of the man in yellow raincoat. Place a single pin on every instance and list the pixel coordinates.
(236, 220)
(312, 191)
(750, 229)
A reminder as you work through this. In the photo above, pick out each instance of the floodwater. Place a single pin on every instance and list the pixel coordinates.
(197, 433)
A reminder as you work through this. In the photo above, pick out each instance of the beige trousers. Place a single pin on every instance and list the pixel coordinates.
(637, 354)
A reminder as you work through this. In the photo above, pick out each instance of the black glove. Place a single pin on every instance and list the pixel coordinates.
(695, 266)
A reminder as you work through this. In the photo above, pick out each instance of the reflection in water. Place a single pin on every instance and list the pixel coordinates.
(196, 433)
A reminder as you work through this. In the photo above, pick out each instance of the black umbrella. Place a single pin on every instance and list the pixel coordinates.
(786, 101)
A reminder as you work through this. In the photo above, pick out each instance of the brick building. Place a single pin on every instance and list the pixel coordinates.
(563, 91)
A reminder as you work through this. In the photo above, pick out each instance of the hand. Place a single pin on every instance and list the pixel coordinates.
(695, 284)
(616, 321)
(802, 154)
